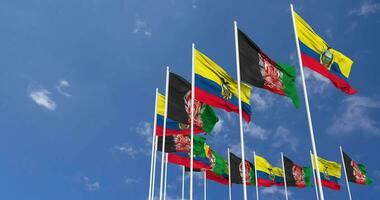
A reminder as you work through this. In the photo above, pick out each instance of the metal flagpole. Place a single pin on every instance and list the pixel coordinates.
(166, 174)
(240, 112)
(345, 172)
(307, 107)
(164, 133)
(154, 167)
(283, 169)
(204, 186)
(314, 178)
(257, 184)
(229, 175)
(192, 121)
(183, 182)
(153, 141)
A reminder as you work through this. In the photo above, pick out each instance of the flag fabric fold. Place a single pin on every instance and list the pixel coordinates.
(356, 172)
(330, 172)
(215, 87)
(257, 69)
(296, 176)
(317, 55)
(179, 143)
(236, 169)
(267, 175)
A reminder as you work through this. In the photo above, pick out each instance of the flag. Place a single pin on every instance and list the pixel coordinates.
(355, 172)
(215, 87)
(219, 167)
(296, 175)
(201, 161)
(330, 172)
(236, 169)
(179, 143)
(179, 105)
(267, 175)
(317, 55)
(172, 127)
(257, 69)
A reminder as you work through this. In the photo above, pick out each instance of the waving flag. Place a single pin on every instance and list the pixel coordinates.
(356, 173)
(330, 172)
(172, 127)
(219, 167)
(296, 175)
(267, 175)
(215, 87)
(257, 69)
(179, 143)
(317, 55)
(236, 168)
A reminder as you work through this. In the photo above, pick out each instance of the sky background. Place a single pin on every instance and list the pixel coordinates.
(77, 86)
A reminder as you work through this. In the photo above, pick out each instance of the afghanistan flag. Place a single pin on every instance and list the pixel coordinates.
(330, 172)
(296, 175)
(172, 127)
(257, 69)
(356, 173)
(236, 168)
(318, 56)
(215, 87)
(267, 175)
(219, 167)
(179, 143)
(179, 105)
(201, 161)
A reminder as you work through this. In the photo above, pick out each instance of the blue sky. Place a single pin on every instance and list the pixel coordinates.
(77, 86)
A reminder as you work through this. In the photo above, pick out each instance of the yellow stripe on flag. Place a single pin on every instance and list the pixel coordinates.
(308, 37)
(208, 69)
(263, 165)
(161, 104)
(331, 167)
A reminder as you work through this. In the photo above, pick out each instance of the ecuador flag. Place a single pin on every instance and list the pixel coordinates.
(267, 175)
(172, 127)
(330, 172)
(215, 87)
(317, 55)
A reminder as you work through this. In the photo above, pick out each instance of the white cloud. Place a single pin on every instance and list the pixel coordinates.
(41, 97)
(62, 84)
(145, 129)
(274, 191)
(127, 149)
(283, 137)
(356, 115)
(255, 131)
(142, 27)
(129, 180)
(329, 33)
(262, 101)
(218, 127)
(366, 8)
(315, 82)
(194, 4)
(91, 185)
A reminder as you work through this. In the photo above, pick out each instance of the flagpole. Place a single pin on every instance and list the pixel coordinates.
(166, 174)
(204, 186)
(345, 172)
(257, 184)
(229, 175)
(240, 112)
(154, 166)
(283, 169)
(192, 121)
(183, 182)
(314, 178)
(164, 133)
(307, 107)
(153, 141)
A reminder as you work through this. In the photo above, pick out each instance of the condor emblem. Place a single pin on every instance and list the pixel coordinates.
(226, 93)
(327, 58)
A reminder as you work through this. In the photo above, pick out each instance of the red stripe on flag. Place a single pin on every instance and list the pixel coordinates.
(170, 132)
(316, 66)
(218, 102)
(179, 160)
(215, 177)
(330, 184)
